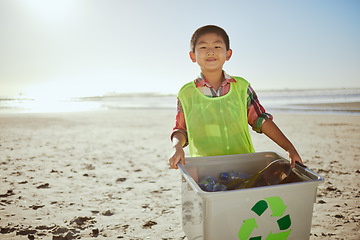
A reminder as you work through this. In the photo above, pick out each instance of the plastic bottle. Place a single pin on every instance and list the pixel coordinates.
(219, 187)
(234, 179)
(209, 184)
(233, 175)
(276, 172)
(273, 174)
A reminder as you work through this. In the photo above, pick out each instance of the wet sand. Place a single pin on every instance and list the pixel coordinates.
(105, 174)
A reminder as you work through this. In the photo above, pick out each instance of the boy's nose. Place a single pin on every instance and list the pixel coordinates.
(210, 53)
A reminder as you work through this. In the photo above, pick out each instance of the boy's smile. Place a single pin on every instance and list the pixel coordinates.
(210, 52)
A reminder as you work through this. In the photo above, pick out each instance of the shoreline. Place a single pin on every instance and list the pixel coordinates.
(346, 108)
(339, 102)
(345, 105)
(353, 107)
(105, 173)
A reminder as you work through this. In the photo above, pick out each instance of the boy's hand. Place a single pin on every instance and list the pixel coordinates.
(178, 155)
(294, 157)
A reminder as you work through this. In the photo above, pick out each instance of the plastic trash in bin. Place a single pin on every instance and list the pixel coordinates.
(272, 174)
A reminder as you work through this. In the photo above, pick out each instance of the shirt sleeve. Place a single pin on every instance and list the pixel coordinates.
(256, 112)
(180, 124)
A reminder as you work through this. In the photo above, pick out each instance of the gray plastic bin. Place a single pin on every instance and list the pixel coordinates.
(273, 212)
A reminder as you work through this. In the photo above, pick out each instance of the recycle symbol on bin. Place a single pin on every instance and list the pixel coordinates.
(277, 207)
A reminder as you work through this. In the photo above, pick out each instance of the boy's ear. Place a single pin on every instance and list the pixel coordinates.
(228, 54)
(192, 56)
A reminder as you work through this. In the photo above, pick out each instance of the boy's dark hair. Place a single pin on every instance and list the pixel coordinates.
(209, 29)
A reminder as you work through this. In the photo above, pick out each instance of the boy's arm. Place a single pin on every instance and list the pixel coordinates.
(178, 154)
(270, 129)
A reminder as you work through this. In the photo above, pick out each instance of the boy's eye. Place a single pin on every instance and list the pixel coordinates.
(217, 47)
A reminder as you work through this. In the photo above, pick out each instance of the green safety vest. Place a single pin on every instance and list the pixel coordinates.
(217, 126)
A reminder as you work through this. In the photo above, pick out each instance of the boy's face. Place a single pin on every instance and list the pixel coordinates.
(210, 52)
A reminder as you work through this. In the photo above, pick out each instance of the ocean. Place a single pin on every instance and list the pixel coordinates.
(321, 101)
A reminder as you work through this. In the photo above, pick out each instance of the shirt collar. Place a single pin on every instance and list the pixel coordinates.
(201, 81)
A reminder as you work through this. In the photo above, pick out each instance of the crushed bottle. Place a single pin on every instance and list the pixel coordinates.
(209, 184)
(233, 175)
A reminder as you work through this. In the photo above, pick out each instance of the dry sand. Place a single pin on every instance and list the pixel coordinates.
(105, 174)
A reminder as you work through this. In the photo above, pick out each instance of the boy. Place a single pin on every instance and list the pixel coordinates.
(214, 110)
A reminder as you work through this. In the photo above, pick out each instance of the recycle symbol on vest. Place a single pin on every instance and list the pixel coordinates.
(277, 207)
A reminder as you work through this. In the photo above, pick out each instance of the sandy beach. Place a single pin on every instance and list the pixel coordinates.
(105, 174)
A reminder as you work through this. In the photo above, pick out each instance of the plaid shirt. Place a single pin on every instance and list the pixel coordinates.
(256, 113)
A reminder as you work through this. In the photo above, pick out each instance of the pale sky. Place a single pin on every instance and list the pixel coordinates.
(88, 47)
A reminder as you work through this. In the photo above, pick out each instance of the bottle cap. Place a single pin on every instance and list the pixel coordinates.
(224, 175)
